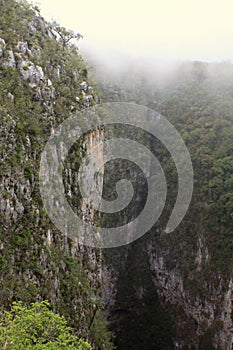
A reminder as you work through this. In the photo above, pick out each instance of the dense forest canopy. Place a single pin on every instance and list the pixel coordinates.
(197, 98)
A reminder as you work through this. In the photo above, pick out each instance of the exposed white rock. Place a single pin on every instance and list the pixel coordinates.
(87, 99)
(2, 46)
(49, 238)
(83, 85)
(90, 90)
(37, 75)
(28, 142)
(32, 27)
(34, 74)
(11, 97)
(9, 59)
(203, 255)
(22, 47)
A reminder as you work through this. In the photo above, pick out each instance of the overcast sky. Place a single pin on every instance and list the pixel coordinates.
(167, 29)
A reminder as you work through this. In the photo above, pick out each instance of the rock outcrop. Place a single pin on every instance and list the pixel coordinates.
(41, 85)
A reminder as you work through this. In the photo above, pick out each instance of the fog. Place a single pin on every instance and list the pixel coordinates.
(156, 30)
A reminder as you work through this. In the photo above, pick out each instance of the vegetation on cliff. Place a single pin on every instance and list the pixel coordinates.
(43, 80)
(191, 268)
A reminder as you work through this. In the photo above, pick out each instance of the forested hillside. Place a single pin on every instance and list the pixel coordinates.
(189, 270)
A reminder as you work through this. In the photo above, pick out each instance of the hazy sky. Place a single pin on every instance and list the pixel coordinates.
(171, 29)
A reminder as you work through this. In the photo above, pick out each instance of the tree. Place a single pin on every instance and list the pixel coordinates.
(37, 328)
(65, 34)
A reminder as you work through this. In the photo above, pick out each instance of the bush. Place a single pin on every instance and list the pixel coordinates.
(37, 328)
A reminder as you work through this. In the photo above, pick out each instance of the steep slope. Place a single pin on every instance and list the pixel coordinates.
(43, 80)
(190, 270)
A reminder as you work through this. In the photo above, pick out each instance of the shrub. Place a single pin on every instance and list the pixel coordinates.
(37, 328)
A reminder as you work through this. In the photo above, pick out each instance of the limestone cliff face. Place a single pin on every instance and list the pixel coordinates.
(137, 282)
(140, 279)
(211, 311)
(42, 83)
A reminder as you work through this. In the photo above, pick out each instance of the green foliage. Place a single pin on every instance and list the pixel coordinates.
(30, 267)
(101, 334)
(197, 100)
(37, 328)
